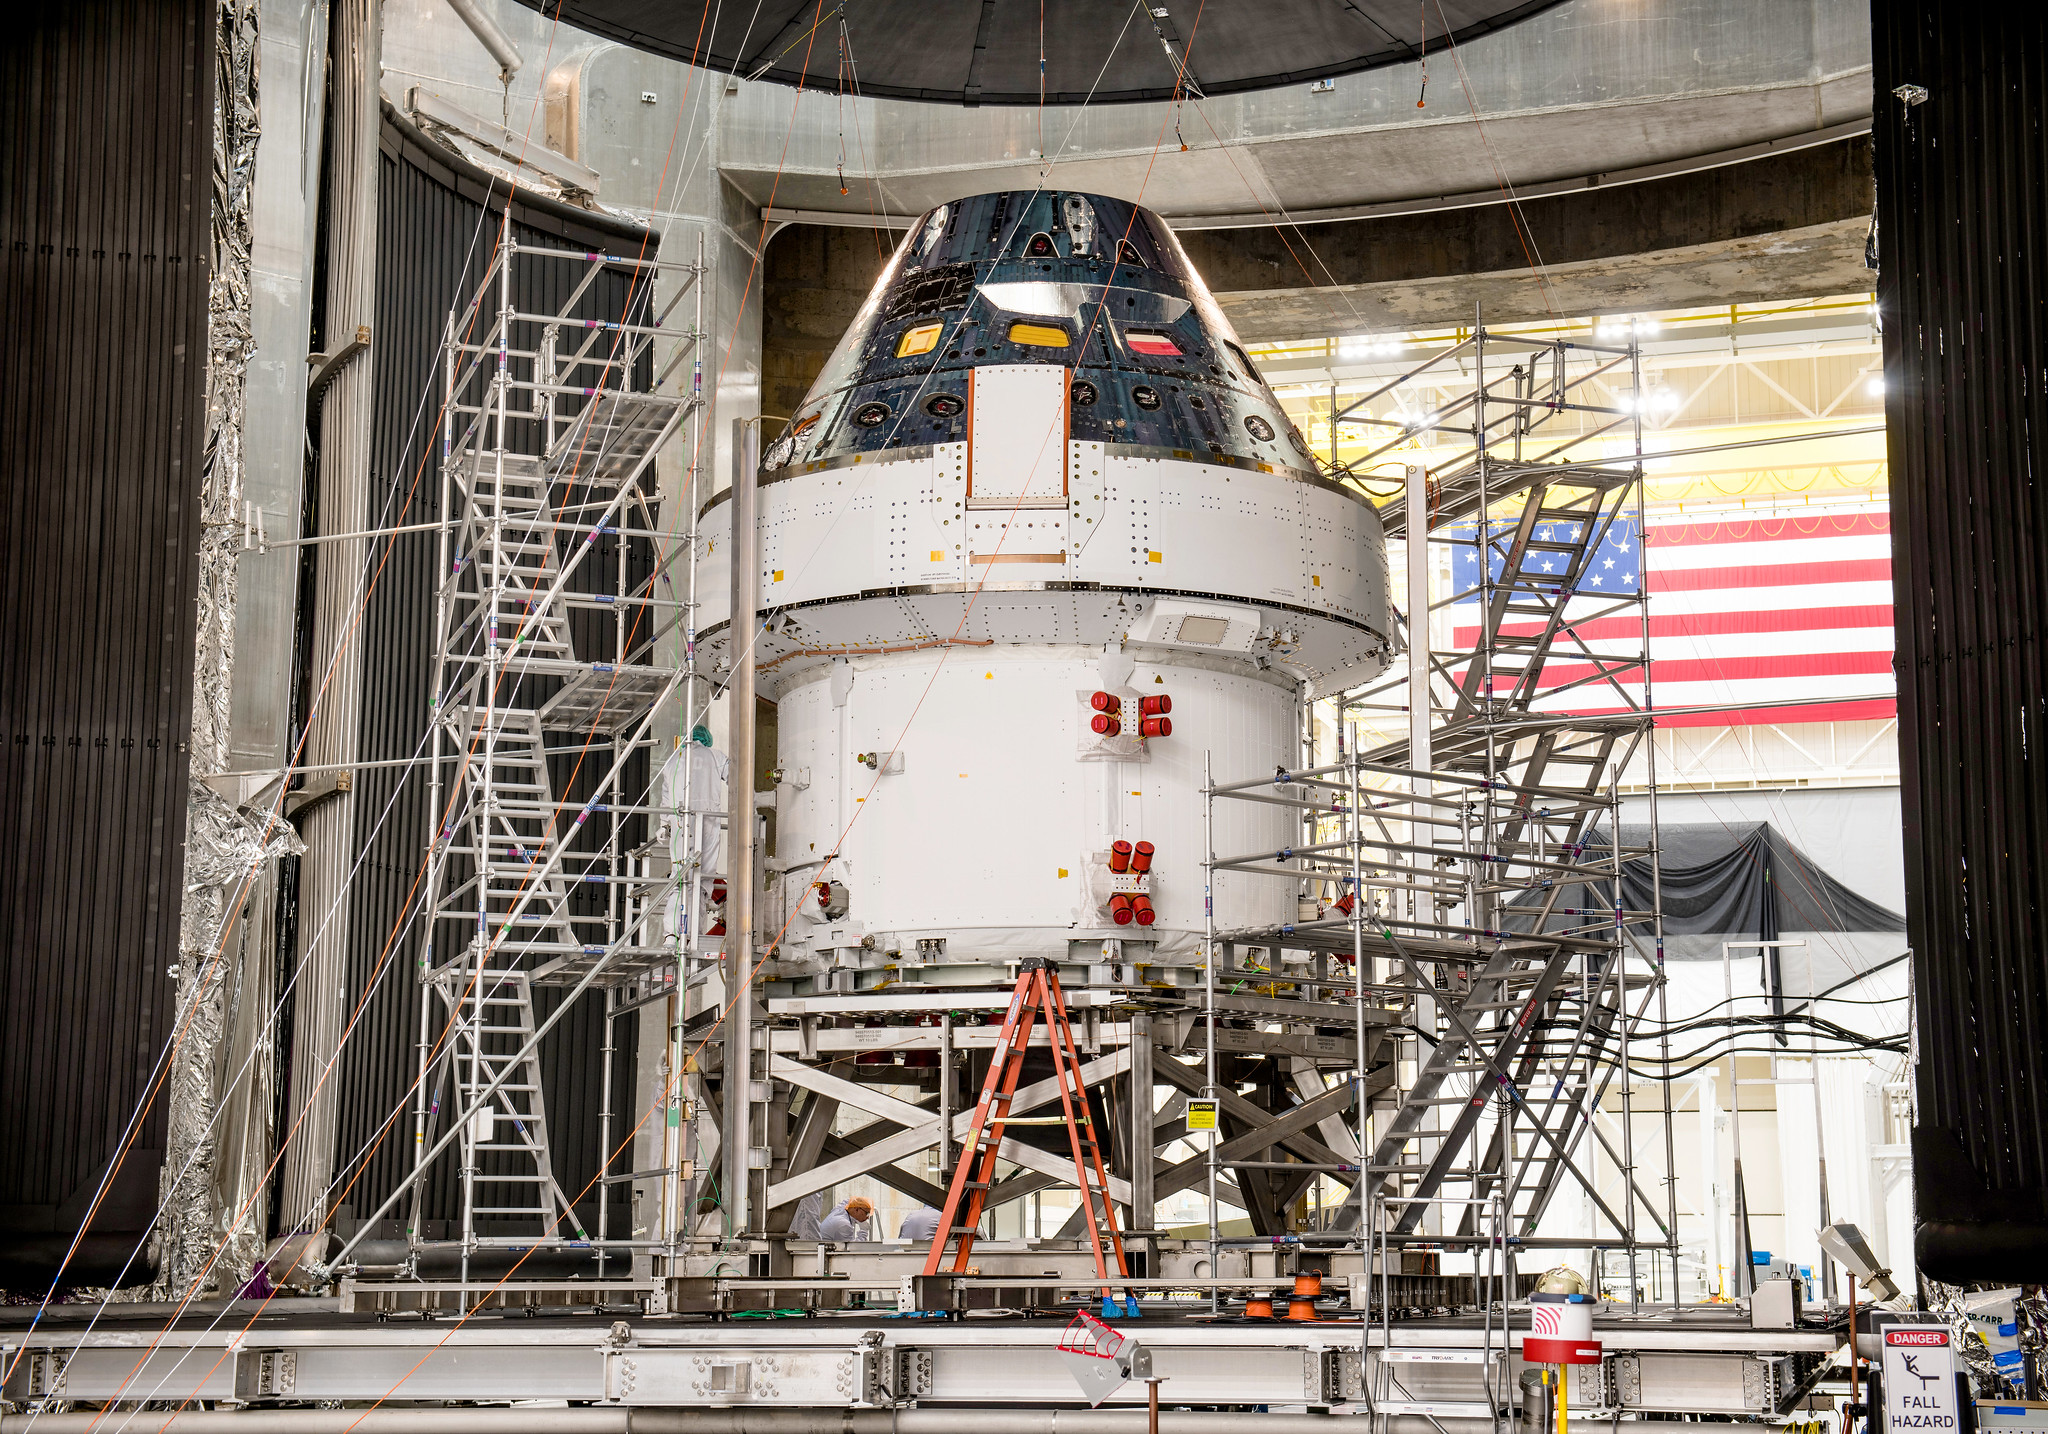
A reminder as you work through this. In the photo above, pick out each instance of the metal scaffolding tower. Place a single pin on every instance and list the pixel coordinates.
(1470, 869)
(563, 845)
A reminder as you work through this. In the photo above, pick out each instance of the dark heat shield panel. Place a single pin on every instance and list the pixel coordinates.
(1962, 183)
(105, 188)
(987, 52)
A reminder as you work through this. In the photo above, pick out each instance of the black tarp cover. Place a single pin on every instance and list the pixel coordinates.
(1745, 880)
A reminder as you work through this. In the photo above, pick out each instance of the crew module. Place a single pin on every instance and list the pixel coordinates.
(1038, 543)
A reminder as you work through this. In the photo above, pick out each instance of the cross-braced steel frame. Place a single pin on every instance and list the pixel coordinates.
(1469, 869)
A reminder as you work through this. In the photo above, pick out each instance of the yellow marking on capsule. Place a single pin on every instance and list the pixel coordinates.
(920, 340)
(1039, 336)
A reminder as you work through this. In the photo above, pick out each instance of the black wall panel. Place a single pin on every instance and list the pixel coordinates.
(105, 197)
(438, 226)
(1963, 239)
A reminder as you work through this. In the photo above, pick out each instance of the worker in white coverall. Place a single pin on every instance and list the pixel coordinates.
(698, 774)
(848, 1222)
(803, 1225)
(919, 1225)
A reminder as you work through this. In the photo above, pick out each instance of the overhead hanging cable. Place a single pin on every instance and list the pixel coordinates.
(1423, 97)
(840, 84)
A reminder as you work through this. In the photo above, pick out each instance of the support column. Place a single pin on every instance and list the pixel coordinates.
(1143, 1200)
(335, 712)
(740, 998)
(1420, 757)
(1418, 617)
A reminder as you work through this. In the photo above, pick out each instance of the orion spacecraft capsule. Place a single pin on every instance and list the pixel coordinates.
(1038, 487)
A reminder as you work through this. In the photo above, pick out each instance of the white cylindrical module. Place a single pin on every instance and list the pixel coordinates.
(992, 826)
(1039, 540)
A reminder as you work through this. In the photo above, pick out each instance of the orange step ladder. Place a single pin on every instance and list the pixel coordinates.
(1037, 996)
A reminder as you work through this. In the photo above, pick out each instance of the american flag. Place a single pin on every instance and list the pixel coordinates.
(1544, 1320)
(1742, 611)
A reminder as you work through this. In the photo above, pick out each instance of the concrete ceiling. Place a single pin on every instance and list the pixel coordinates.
(1813, 262)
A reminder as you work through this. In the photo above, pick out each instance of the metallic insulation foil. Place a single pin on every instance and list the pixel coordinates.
(229, 347)
(200, 1244)
(1948, 1302)
(224, 850)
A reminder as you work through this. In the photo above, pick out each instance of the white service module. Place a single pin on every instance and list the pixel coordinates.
(985, 838)
(1919, 1368)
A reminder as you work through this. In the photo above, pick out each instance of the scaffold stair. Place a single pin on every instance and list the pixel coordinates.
(611, 439)
(516, 817)
(510, 537)
(508, 1159)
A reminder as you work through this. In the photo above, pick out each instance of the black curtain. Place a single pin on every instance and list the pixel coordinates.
(1745, 881)
(1960, 96)
(106, 127)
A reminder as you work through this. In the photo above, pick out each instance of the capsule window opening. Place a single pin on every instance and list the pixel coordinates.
(1040, 246)
(1244, 361)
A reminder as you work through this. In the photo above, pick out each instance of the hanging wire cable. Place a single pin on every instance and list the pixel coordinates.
(359, 606)
(639, 615)
(746, 984)
(1098, 76)
(168, 1055)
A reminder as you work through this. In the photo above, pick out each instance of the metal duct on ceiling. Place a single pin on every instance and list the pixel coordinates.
(1962, 181)
(1022, 52)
